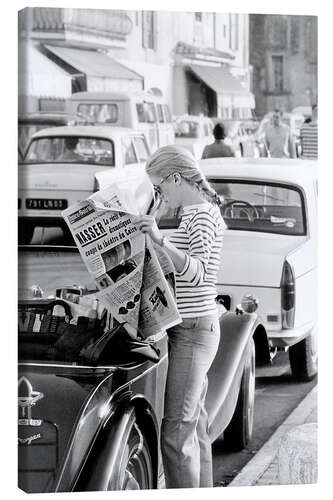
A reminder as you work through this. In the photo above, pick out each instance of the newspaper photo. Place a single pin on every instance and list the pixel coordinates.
(135, 279)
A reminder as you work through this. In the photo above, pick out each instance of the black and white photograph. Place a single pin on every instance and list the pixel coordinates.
(201, 127)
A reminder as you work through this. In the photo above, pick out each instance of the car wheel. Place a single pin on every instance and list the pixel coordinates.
(239, 431)
(25, 232)
(303, 359)
(136, 469)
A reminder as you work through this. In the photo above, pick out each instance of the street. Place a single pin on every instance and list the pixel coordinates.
(276, 396)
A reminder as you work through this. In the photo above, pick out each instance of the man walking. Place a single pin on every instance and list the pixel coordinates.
(279, 140)
(309, 136)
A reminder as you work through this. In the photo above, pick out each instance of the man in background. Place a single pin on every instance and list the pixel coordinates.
(309, 136)
(218, 149)
(279, 139)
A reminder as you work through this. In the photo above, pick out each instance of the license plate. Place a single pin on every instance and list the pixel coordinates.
(45, 204)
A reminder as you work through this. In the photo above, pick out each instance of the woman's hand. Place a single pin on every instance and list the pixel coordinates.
(147, 224)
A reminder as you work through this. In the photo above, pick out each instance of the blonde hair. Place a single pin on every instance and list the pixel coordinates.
(175, 159)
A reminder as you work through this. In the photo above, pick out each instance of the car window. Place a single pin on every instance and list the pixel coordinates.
(140, 110)
(168, 117)
(206, 130)
(100, 113)
(71, 149)
(151, 113)
(160, 115)
(129, 154)
(141, 148)
(189, 129)
(260, 207)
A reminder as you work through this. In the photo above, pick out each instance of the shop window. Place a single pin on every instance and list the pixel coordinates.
(198, 16)
(149, 29)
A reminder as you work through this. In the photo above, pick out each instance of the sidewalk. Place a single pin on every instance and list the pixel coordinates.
(290, 451)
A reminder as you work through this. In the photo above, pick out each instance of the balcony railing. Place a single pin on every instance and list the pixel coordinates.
(101, 23)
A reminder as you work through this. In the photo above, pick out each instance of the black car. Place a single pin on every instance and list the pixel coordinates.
(89, 419)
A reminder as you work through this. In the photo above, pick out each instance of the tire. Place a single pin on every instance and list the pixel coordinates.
(136, 469)
(303, 359)
(238, 434)
(25, 232)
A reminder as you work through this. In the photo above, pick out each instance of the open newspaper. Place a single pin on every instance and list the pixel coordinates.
(135, 277)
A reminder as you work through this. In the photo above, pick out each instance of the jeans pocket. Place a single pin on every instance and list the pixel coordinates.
(189, 323)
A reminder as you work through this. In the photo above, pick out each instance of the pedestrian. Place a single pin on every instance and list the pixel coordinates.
(309, 136)
(70, 151)
(218, 148)
(279, 139)
(195, 249)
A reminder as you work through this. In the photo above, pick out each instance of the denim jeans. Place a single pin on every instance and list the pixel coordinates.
(185, 444)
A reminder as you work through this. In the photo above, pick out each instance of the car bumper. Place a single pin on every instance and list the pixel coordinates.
(286, 338)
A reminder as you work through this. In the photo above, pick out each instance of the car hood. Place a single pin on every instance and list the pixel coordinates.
(255, 259)
(59, 397)
(58, 176)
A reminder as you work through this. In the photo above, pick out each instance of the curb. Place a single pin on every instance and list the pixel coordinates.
(256, 467)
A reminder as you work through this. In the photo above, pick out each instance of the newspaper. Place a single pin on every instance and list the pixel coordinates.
(135, 279)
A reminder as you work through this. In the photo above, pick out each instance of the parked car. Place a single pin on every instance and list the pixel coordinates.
(294, 122)
(270, 248)
(240, 135)
(146, 112)
(194, 133)
(53, 176)
(30, 123)
(94, 426)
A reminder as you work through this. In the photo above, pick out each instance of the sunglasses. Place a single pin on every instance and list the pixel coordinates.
(157, 187)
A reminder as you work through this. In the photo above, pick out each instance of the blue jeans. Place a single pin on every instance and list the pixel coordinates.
(185, 444)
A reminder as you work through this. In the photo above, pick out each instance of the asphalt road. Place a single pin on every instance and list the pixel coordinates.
(276, 396)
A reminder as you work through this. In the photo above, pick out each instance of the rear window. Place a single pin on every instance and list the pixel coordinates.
(71, 149)
(100, 113)
(260, 207)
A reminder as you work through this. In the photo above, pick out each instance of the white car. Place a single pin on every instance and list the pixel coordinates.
(194, 133)
(63, 165)
(270, 248)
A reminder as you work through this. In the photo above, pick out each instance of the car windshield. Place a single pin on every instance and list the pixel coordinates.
(71, 149)
(253, 206)
(188, 129)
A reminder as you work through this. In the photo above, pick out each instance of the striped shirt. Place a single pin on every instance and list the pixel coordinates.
(199, 236)
(309, 141)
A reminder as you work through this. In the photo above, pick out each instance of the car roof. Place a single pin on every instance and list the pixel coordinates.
(87, 131)
(57, 117)
(268, 169)
(194, 118)
(103, 97)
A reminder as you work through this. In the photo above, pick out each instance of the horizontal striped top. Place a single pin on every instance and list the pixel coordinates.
(199, 236)
(309, 141)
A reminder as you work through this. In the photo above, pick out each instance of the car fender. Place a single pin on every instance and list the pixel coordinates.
(226, 370)
(101, 467)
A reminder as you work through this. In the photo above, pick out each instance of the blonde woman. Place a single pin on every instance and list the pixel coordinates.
(195, 249)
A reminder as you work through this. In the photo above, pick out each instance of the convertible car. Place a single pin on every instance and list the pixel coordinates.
(92, 423)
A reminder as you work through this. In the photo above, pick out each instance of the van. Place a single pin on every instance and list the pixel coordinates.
(142, 111)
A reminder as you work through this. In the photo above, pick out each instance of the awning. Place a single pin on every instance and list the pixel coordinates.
(40, 77)
(225, 85)
(102, 72)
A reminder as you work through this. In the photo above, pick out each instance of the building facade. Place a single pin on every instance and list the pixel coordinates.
(283, 54)
(198, 61)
